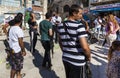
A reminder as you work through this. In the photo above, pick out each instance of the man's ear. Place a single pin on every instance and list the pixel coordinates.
(74, 13)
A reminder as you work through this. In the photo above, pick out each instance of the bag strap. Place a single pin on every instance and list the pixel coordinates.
(66, 27)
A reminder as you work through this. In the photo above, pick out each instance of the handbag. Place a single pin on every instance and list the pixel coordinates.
(88, 72)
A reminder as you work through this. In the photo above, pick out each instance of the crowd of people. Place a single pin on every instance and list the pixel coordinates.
(109, 26)
(72, 36)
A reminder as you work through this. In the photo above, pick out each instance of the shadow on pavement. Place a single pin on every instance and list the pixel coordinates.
(45, 73)
(27, 46)
(99, 68)
(99, 65)
(102, 50)
(99, 55)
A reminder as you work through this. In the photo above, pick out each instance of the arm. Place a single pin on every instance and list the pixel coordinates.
(50, 32)
(117, 27)
(22, 46)
(60, 42)
(110, 29)
(4, 28)
(109, 54)
(85, 47)
(86, 25)
(100, 22)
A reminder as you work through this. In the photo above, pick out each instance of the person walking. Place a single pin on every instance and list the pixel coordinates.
(98, 23)
(56, 20)
(11, 23)
(33, 32)
(6, 31)
(73, 43)
(111, 29)
(46, 32)
(118, 32)
(113, 68)
(17, 47)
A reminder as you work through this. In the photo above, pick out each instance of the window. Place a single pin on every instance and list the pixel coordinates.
(85, 3)
(13, 3)
(66, 8)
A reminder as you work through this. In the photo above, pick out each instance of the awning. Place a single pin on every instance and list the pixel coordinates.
(105, 10)
(104, 2)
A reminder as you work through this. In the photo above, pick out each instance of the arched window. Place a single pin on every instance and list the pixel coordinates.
(66, 8)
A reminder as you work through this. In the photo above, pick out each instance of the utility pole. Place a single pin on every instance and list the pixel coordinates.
(45, 2)
(25, 4)
(21, 3)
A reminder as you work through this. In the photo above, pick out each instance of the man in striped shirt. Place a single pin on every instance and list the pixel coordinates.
(72, 38)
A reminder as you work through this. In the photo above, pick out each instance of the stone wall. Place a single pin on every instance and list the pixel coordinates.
(4, 9)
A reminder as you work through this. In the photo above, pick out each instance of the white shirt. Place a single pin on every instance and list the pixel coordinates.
(15, 33)
(97, 24)
(54, 19)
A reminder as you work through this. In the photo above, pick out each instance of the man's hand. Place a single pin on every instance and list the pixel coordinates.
(23, 53)
(89, 59)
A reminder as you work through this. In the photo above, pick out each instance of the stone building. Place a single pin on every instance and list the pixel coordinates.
(8, 5)
(62, 6)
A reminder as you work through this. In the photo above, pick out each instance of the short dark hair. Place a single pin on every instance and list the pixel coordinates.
(19, 14)
(48, 15)
(116, 43)
(18, 18)
(74, 9)
(11, 22)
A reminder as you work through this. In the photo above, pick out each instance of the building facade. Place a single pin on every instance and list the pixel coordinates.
(13, 5)
(8, 5)
(62, 6)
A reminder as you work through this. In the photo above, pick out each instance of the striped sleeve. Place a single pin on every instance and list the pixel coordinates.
(81, 31)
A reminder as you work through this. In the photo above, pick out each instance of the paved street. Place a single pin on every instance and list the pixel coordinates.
(32, 63)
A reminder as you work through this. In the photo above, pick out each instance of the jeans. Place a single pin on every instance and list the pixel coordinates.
(47, 58)
(97, 31)
(33, 40)
(55, 33)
